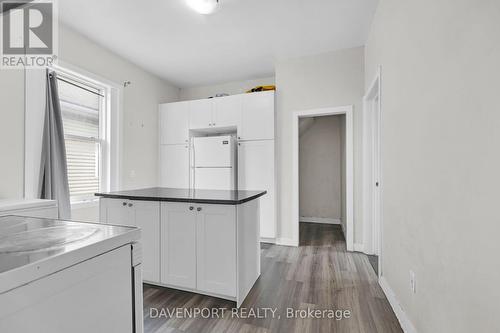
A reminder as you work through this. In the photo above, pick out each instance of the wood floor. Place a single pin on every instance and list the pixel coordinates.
(319, 275)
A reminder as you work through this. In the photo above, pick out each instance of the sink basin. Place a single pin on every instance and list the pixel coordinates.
(43, 239)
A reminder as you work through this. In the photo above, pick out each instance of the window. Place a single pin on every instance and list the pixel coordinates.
(84, 110)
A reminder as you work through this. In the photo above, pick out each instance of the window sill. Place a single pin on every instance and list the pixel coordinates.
(85, 204)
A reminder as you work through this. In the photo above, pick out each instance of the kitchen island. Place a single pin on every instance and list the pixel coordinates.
(203, 241)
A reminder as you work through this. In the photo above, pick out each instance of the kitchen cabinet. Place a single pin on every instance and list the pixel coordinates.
(201, 113)
(220, 112)
(216, 249)
(142, 214)
(174, 123)
(257, 116)
(206, 242)
(227, 111)
(178, 244)
(198, 247)
(174, 166)
(256, 172)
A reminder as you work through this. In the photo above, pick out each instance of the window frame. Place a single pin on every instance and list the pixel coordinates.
(104, 132)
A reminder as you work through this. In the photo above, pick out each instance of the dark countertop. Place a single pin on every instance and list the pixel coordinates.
(219, 197)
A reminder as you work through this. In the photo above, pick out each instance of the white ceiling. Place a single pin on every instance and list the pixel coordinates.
(242, 40)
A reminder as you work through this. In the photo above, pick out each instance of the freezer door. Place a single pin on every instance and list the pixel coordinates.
(214, 151)
(214, 179)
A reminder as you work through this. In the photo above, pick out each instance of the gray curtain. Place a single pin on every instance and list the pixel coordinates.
(54, 171)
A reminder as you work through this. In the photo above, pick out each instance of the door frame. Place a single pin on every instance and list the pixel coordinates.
(372, 171)
(349, 155)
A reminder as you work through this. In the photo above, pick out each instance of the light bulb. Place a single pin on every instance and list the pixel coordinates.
(203, 6)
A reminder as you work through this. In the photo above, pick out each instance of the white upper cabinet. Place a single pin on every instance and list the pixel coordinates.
(257, 117)
(200, 113)
(227, 111)
(174, 123)
(174, 166)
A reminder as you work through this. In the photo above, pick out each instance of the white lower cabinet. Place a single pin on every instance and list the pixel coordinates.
(216, 249)
(142, 214)
(198, 247)
(178, 245)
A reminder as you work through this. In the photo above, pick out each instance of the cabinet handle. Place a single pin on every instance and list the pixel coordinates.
(191, 208)
(130, 205)
(124, 203)
(213, 124)
(239, 138)
(198, 209)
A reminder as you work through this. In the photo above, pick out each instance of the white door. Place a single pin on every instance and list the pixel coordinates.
(178, 244)
(376, 175)
(200, 113)
(256, 172)
(147, 217)
(257, 117)
(216, 242)
(174, 166)
(174, 121)
(227, 111)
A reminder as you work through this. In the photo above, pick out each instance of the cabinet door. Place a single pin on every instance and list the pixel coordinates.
(257, 117)
(117, 212)
(200, 113)
(256, 172)
(174, 123)
(174, 166)
(216, 249)
(227, 111)
(178, 245)
(146, 215)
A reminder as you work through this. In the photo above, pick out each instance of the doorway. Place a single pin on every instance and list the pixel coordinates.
(347, 147)
(372, 175)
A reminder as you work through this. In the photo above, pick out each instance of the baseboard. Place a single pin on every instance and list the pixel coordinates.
(325, 220)
(286, 242)
(358, 247)
(404, 321)
(268, 240)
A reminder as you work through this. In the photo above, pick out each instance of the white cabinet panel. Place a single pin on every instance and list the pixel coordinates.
(216, 249)
(118, 212)
(257, 117)
(200, 113)
(227, 111)
(174, 120)
(147, 217)
(178, 245)
(256, 172)
(174, 166)
(142, 214)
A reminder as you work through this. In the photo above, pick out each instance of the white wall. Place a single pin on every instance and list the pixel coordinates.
(231, 88)
(325, 80)
(440, 158)
(11, 133)
(139, 163)
(320, 174)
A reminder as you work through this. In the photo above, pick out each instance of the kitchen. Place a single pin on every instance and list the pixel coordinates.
(248, 166)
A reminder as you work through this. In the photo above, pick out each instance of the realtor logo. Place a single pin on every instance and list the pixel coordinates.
(28, 33)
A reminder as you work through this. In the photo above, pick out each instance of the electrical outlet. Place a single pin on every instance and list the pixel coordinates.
(132, 173)
(413, 282)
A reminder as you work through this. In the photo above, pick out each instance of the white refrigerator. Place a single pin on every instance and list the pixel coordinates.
(214, 163)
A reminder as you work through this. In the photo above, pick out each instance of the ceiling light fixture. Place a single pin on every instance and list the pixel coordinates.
(203, 6)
